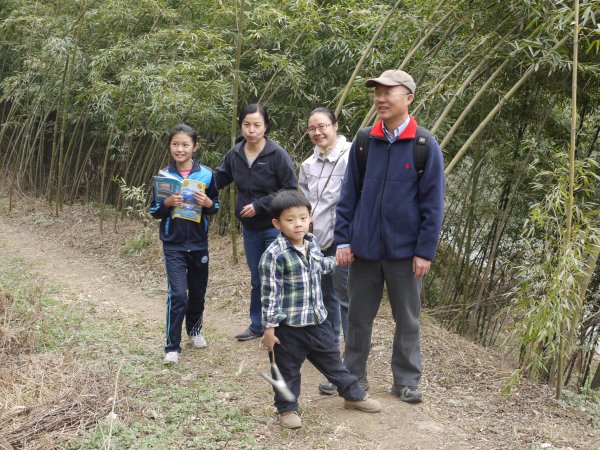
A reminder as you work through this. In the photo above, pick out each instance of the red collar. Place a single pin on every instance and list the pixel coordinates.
(410, 132)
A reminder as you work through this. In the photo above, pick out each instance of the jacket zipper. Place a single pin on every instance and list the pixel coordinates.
(387, 165)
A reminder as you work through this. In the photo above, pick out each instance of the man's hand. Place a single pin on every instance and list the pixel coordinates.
(420, 266)
(344, 256)
(269, 339)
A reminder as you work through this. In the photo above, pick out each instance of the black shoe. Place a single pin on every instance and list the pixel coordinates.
(407, 394)
(327, 388)
(247, 335)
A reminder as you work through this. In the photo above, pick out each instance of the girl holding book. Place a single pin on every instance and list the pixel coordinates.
(184, 233)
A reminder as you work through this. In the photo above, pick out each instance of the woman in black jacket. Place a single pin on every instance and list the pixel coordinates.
(259, 167)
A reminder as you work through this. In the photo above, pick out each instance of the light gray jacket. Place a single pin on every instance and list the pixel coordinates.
(322, 194)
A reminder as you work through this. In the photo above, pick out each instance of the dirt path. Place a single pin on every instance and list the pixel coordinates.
(462, 408)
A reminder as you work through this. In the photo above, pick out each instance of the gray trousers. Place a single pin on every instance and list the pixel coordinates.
(365, 289)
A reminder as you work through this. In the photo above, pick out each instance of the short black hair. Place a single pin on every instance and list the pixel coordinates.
(285, 199)
(251, 109)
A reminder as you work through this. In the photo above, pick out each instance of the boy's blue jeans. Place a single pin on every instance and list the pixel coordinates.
(255, 244)
(317, 344)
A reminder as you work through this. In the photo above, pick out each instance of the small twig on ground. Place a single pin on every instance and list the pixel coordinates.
(112, 411)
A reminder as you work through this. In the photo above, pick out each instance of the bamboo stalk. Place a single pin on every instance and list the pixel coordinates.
(482, 90)
(362, 59)
(236, 88)
(63, 129)
(577, 307)
(369, 118)
(53, 158)
(478, 70)
(442, 81)
(495, 111)
(267, 88)
(76, 164)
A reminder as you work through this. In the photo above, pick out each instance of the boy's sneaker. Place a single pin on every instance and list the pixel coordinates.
(290, 420)
(327, 388)
(367, 404)
(408, 394)
(247, 335)
(198, 341)
(171, 358)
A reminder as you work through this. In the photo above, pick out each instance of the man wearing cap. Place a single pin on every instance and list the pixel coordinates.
(388, 231)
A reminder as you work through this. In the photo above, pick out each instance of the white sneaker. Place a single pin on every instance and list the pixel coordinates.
(198, 341)
(171, 358)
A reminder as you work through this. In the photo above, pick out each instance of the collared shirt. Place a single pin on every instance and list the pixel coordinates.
(321, 181)
(397, 132)
(291, 283)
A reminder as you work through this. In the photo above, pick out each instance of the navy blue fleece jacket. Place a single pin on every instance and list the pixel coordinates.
(396, 216)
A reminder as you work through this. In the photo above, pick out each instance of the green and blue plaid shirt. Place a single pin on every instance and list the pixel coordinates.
(291, 283)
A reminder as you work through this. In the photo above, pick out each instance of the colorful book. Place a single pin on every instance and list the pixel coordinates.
(189, 210)
(164, 185)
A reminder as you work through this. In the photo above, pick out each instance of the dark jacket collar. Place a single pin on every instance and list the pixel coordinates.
(270, 147)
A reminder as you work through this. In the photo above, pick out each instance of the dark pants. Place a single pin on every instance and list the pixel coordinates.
(365, 286)
(317, 344)
(187, 276)
(335, 296)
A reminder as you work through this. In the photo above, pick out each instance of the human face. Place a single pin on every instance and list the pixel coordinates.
(253, 127)
(182, 148)
(293, 223)
(321, 131)
(392, 104)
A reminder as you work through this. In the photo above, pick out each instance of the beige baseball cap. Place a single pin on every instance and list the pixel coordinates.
(394, 78)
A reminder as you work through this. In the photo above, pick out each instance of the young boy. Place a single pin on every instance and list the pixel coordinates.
(293, 312)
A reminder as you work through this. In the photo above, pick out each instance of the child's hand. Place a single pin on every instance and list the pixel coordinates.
(202, 199)
(173, 200)
(269, 339)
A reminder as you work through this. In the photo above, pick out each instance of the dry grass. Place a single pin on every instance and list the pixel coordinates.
(15, 335)
(47, 397)
(49, 402)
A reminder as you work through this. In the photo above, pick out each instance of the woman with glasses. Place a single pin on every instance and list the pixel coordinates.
(320, 179)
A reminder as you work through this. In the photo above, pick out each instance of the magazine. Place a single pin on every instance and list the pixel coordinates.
(165, 185)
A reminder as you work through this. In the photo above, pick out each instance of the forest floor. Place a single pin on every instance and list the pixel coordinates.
(95, 378)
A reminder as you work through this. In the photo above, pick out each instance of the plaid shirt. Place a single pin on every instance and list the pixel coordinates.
(291, 283)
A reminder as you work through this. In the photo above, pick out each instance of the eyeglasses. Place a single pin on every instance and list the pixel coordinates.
(321, 127)
(374, 95)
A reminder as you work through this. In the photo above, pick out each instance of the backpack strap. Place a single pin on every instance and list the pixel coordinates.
(421, 150)
(361, 143)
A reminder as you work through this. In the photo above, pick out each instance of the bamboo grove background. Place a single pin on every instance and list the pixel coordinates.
(90, 88)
